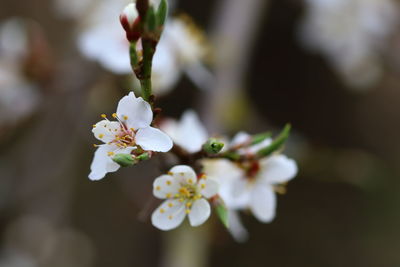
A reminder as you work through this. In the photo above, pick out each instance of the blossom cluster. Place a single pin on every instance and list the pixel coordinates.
(244, 173)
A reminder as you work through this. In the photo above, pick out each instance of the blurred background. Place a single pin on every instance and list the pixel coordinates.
(330, 67)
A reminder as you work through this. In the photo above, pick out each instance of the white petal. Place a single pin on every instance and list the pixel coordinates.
(277, 169)
(208, 187)
(191, 132)
(106, 130)
(153, 139)
(240, 138)
(102, 162)
(200, 212)
(263, 203)
(168, 215)
(184, 174)
(240, 194)
(165, 186)
(135, 112)
(236, 228)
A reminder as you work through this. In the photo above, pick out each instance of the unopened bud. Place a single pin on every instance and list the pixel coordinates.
(124, 160)
(129, 19)
(213, 146)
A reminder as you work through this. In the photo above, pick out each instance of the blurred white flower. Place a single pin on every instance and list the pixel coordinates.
(189, 133)
(185, 194)
(17, 95)
(351, 34)
(181, 48)
(132, 130)
(251, 184)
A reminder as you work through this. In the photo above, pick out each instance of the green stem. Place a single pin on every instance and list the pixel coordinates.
(145, 75)
(133, 56)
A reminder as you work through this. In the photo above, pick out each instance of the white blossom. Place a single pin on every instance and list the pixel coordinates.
(181, 49)
(185, 194)
(189, 133)
(18, 96)
(251, 184)
(131, 131)
(351, 34)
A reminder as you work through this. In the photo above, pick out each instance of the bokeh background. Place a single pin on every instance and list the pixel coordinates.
(331, 68)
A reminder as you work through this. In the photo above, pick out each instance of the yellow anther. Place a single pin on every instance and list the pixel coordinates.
(177, 195)
(203, 186)
(170, 217)
(101, 136)
(187, 211)
(158, 188)
(95, 145)
(189, 204)
(184, 191)
(168, 182)
(168, 195)
(114, 115)
(203, 176)
(170, 173)
(181, 200)
(162, 210)
(104, 116)
(190, 181)
(132, 129)
(125, 117)
(110, 153)
(170, 205)
(94, 125)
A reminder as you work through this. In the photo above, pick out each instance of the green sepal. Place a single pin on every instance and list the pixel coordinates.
(151, 20)
(144, 156)
(162, 12)
(277, 144)
(213, 146)
(258, 138)
(124, 160)
(222, 212)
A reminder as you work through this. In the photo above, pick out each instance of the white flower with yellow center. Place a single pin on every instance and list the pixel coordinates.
(185, 194)
(131, 131)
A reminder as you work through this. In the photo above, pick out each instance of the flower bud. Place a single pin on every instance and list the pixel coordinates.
(124, 160)
(129, 19)
(213, 146)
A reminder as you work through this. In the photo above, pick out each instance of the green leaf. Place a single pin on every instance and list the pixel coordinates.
(124, 160)
(213, 146)
(258, 138)
(277, 144)
(162, 12)
(222, 212)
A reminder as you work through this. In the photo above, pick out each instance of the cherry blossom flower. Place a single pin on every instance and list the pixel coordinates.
(18, 95)
(351, 34)
(185, 194)
(252, 184)
(181, 48)
(189, 133)
(131, 131)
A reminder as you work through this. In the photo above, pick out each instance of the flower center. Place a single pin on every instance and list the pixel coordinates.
(126, 136)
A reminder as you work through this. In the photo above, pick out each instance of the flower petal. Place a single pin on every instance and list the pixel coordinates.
(236, 228)
(106, 130)
(277, 169)
(169, 215)
(165, 186)
(208, 187)
(263, 203)
(135, 112)
(200, 212)
(184, 174)
(153, 139)
(102, 162)
(190, 133)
